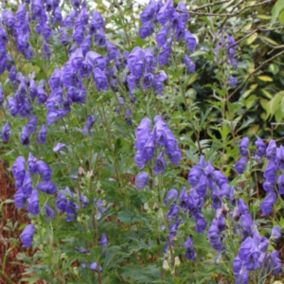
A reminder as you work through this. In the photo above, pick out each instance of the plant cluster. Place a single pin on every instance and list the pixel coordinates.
(123, 142)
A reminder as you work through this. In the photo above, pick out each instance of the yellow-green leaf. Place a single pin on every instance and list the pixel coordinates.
(281, 17)
(265, 78)
(252, 38)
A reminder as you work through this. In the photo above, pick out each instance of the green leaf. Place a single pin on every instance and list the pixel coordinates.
(251, 39)
(277, 9)
(281, 17)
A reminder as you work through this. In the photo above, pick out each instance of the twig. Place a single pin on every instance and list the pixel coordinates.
(193, 12)
(255, 70)
(210, 5)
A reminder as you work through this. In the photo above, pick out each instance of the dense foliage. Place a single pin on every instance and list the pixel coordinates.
(145, 141)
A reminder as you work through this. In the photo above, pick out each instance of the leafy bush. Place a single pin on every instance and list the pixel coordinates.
(134, 139)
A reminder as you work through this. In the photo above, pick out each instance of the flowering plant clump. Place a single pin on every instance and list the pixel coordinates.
(128, 132)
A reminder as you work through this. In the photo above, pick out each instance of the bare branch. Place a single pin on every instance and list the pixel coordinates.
(232, 14)
(210, 5)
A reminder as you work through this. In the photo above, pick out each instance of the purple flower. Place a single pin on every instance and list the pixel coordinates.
(135, 62)
(183, 199)
(241, 165)
(142, 135)
(200, 223)
(1, 96)
(190, 41)
(27, 235)
(27, 186)
(275, 263)
(250, 254)
(149, 11)
(194, 175)
(68, 75)
(147, 81)
(281, 184)
(88, 124)
(160, 164)
(171, 196)
(37, 8)
(77, 58)
(244, 146)
(270, 172)
(95, 60)
(280, 157)
(161, 37)
(100, 38)
(240, 272)
(41, 137)
(266, 205)
(18, 171)
(246, 224)
(173, 211)
(61, 202)
(58, 147)
(146, 29)
(57, 16)
(214, 233)
(9, 19)
(54, 81)
(44, 170)
(101, 80)
(103, 241)
(32, 164)
(260, 147)
(33, 203)
(71, 210)
(47, 186)
(94, 266)
(76, 95)
(189, 64)
(49, 212)
(84, 200)
(78, 35)
(165, 53)
(141, 180)
(97, 22)
(5, 133)
(231, 50)
(276, 233)
(190, 252)
(173, 231)
(158, 83)
(25, 136)
(165, 12)
(233, 81)
(76, 3)
(271, 150)
(165, 137)
(19, 199)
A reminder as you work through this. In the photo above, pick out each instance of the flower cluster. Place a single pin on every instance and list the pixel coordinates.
(227, 45)
(65, 84)
(241, 164)
(273, 175)
(273, 172)
(253, 252)
(26, 195)
(160, 141)
(203, 176)
(142, 65)
(172, 21)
